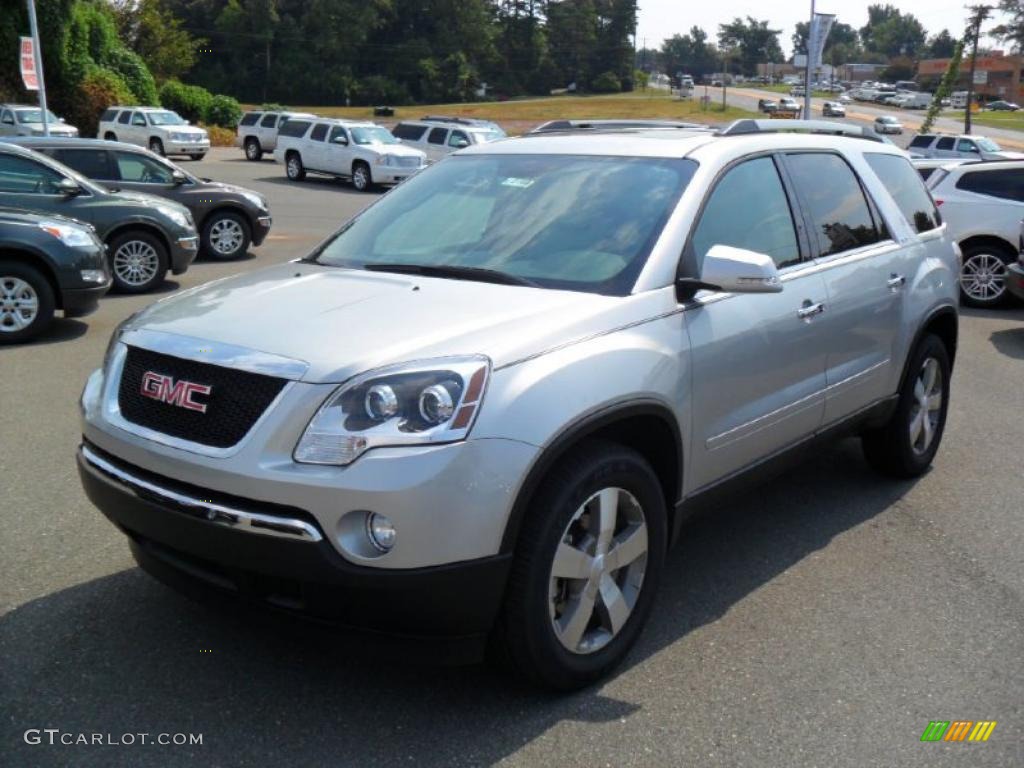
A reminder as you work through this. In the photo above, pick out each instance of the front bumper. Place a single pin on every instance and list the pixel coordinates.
(383, 174)
(1015, 280)
(186, 147)
(78, 302)
(261, 228)
(181, 535)
(183, 253)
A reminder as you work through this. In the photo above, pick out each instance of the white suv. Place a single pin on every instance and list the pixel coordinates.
(982, 203)
(25, 120)
(257, 131)
(160, 130)
(364, 152)
(963, 146)
(440, 136)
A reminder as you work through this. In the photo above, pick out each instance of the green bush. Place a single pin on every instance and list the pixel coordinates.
(223, 111)
(99, 89)
(132, 69)
(606, 82)
(189, 101)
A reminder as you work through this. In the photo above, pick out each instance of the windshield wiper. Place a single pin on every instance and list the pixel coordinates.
(454, 271)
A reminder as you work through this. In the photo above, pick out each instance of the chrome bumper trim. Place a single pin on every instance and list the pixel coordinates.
(215, 514)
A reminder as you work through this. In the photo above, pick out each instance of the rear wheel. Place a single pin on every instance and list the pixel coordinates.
(26, 302)
(587, 566)
(293, 167)
(226, 235)
(156, 146)
(361, 178)
(983, 275)
(138, 261)
(110, 136)
(253, 150)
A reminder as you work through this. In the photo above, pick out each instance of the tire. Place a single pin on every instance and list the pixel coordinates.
(535, 632)
(253, 150)
(899, 448)
(26, 302)
(226, 235)
(196, 158)
(362, 179)
(110, 136)
(983, 276)
(293, 167)
(138, 261)
(156, 146)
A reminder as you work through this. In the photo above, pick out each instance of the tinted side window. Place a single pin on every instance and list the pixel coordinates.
(749, 209)
(907, 189)
(249, 118)
(946, 142)
(409, 132)
(138, 119)
(269, 120)
(319, 132)
(337, 131)
(294, 128)
(108, 115)
(456, 139)
(23, 176)
(91, 163)
(966, 145)
(921, 141)
(924, 173)
(125, 117)
(134, 166)
(1007, 184)
(437, 135)
(7, 117)
(836, 206)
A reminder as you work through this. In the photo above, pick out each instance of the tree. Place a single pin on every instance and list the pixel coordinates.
(572, 35)
(157, 35)
(841, 47)
(1011, 30)
(753, 41)
(690, 53)
(940, 45)
(892, 33)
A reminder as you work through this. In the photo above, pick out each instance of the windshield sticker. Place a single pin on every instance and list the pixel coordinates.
(511, 181)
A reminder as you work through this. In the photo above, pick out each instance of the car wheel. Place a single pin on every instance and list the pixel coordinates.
(361, 178)
(294, 167)
(196, 158)
(906, 445)
(586, 568)
(138, 261)
(253, 150)
(26, 302)
(110, 136)
(983, 276)
(226, 235)
(156, 146)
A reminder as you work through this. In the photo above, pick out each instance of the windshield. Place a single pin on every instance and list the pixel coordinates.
(35, 116)
(561, 221)
(987, 145)
(483, 137)
(373, 135)
(887, 120)
(164, 118)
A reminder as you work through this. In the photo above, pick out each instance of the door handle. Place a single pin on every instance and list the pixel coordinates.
(809, 310)
(896, 281)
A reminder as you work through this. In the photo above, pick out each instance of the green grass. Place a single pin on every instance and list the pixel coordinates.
(519, 115)
(1011, 121)
(781, 88)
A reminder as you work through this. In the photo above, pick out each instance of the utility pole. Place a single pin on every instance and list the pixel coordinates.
(807, 74)
(979, 14)
(38, 53)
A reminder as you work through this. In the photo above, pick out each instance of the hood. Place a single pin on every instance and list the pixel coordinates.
(401, 150)
(147, 199)
(233, 189)
(1003, 155)
(190, 129)
(18, 216)
(56, 129)
(343, 322)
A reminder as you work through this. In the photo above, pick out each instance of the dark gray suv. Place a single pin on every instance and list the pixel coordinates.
(228, 218)
(145, 235)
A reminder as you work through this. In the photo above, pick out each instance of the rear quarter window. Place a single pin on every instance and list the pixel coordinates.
(1006, 184)
(294, 128)
(249, 118)
(907, 189)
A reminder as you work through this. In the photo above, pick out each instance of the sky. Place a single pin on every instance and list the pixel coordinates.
(660, 19)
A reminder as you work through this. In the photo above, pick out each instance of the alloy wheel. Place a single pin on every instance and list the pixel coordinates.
(19, 304)
(598, 571)
(136, 263)
(360, 178)
(983, 277)
(226, 236)
(926, 412)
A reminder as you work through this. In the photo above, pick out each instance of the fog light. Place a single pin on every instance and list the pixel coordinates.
(380, 532)
(94, 275)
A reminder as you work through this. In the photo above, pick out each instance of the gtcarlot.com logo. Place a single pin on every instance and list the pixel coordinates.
(958, 730)
(56, 737)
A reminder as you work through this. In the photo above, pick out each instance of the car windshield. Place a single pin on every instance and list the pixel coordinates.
(373, 135)
(561, 221)
(987, 144)
(486, 136)
(165, 118)
(35, 116)
(889, 120)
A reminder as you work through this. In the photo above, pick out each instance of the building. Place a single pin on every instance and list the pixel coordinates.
(997, 76)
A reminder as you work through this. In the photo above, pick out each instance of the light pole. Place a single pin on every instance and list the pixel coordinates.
(38, 54)
(807, 76)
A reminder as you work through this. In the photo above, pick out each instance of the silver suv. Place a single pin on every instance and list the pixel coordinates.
(484, 407)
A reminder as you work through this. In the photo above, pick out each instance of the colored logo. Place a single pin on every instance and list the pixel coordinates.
(180, 393)
(958, 730)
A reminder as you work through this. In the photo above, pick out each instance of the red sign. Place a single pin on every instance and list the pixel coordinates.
(28, 65)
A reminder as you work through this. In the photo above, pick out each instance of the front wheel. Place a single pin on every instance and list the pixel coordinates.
(983, 276)
(156, 146)
(253, 150)
(138, 261)
(361, 178)
(587, 566)
(906, 445)
(226, 235)
(26, 303)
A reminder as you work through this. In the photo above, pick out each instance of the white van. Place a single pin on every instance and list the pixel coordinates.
(959, 100)
(915, 101)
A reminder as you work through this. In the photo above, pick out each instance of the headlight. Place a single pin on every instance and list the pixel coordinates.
(181, 218)
(435, 401)
(255, 199)
(387, 160)
(69, 234)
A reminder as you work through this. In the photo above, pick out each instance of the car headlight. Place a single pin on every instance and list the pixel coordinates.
(434, 401)
(69, 234)
(181, 218)
(255, 199)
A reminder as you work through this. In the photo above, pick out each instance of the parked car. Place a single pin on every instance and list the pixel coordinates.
(845, 98)
(229, 218)
(515, 375)
(145, 235)
(965, 146)
(926, 166)
(25, 120)
(160, 130)
(257, 131)
(489, 125)
(888, 124)
(915, 101)
(362, 152)
(1002, 106)
(833, 109)
(1015, 273)
(982, 205)
(562, 125)
(789, 106)
(437, 138)
(767, 105)
(798, 91)
(47, 263)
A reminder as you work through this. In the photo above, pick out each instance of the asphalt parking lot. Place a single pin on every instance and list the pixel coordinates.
(822, 620)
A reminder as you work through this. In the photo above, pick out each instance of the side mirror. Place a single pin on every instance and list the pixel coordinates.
(178, 177)
(343, 140)
(735, 270)
(460, 143)
(68, 187)
(61, 120)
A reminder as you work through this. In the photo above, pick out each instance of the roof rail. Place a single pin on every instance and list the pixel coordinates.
(749, 126)
(450, 119)
(615, 125)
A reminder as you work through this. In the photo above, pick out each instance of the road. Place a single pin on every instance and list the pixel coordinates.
(822, 620)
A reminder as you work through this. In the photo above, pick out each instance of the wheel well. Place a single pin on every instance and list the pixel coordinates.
(945, 326)
(291, 152)
(136, 226)
(111, 134)
(29, 260)
(648, 429)
(357, 163)
(989, 241)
